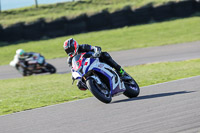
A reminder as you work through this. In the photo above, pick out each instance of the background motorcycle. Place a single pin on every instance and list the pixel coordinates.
(32, 67)
(101, 79)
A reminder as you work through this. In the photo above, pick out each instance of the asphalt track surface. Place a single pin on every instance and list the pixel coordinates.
(171, 107)
(176, 52)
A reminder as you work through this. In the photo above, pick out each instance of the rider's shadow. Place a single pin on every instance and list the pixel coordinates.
(153, 96)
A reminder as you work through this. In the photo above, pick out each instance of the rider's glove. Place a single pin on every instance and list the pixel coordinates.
(97, 52)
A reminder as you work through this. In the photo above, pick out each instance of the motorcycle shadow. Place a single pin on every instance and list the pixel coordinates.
(153, 96)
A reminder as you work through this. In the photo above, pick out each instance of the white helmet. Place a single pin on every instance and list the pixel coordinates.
(20, 52)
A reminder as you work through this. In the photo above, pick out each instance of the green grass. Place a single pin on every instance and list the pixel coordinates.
(69, 10)
(38, 91)
(156, 34)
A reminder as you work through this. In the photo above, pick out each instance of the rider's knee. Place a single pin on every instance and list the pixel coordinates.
(106, 55)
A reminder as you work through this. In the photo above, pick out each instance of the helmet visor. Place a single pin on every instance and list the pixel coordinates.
(69, 51)
(22, 54)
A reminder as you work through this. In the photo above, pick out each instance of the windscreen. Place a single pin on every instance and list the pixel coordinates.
(77, 62)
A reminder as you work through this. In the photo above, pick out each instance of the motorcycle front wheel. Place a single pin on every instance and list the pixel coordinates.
(101, 95)
(23, 71)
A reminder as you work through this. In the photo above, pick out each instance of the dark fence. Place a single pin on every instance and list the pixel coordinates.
(100, 21)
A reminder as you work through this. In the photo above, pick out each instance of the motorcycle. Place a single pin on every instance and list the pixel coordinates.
(101, 79)
(31, 66)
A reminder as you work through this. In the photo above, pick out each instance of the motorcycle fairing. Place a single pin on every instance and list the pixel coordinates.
(115, 83)
(76, 74)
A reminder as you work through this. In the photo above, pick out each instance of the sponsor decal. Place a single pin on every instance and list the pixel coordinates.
(100, 65)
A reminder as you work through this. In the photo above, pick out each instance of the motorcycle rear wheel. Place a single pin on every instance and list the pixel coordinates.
(23, 71)
(91, 84)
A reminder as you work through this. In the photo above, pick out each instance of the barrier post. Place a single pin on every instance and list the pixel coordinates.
(0, 6)
(36, 4)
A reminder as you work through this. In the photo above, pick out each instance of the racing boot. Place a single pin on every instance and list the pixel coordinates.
(81, 85)
(108, 59)
(122, 75)
(121, 72)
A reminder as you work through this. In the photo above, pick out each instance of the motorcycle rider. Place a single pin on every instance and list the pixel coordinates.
(23, 59)
(72, 48)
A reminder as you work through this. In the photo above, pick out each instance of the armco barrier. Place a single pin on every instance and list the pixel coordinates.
(163, 12)
(1, 33)
(142, 15)
(120, 18)
(197, 6)
(34, 30)
(14, 32)
(77, 25)
(55, 28)
(99, 21)
(184, 9)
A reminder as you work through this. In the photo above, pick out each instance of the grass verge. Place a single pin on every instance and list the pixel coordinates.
(38, 91)
(156, 34)
(69, 9)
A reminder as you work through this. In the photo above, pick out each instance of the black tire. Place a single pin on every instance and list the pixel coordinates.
(132, 90)
(23, 71)
(97, 93)
(26, 73)
(51, 68)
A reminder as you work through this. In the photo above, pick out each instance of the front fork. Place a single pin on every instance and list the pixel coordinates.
(100, 84)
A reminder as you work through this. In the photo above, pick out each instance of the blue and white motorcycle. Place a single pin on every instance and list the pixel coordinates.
(101, 79)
